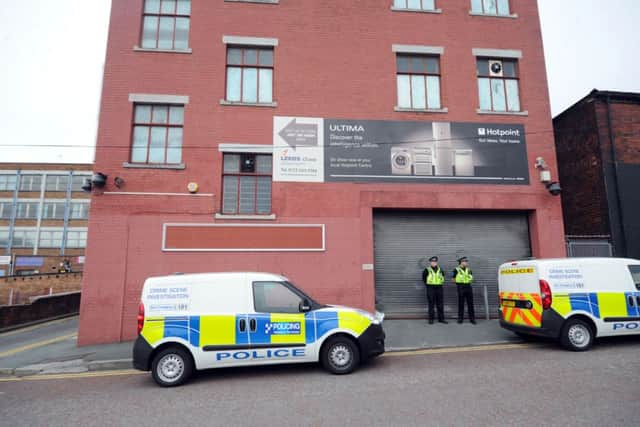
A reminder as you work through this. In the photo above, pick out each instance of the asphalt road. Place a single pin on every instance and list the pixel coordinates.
(538, 384)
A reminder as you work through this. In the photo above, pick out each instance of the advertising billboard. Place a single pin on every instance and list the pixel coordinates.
(399, 151)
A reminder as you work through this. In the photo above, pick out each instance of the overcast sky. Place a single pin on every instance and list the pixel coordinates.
(53, 56)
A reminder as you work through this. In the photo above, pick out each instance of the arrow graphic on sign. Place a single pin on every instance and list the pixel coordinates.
(300, 134)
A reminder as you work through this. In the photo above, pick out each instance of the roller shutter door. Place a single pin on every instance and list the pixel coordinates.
(404, 241)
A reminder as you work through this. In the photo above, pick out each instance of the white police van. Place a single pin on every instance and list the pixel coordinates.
(212, 320)
(574, 300)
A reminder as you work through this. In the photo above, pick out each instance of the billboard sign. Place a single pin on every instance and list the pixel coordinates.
(29, 261)
(417, 152)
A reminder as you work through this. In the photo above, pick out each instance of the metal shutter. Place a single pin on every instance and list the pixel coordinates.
(404, 241)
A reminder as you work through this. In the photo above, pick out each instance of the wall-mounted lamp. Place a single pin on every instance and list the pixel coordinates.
(98, 180)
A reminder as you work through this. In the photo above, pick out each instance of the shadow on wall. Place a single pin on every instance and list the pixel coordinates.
(45, 307)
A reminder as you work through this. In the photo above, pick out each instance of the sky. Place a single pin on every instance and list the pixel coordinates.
(53, 57)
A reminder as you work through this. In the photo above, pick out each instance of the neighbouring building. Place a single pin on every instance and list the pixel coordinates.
(598, 146)
(43, 219)
(338, 143)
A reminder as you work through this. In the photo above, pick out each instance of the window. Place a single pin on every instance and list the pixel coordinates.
(414, 4)
(166, 24)
(24, 237)
(498, 84)
(57, 182)
(77, 238)
(274, 297)
(53, 209)
(8, 182)
(250, 75)
(635, 274)
(6, 208)
(30, 182)
(418, 82)
(79, 210)
(491, 7)
(77, 181)
(50, 239)
(157, 134)
(27, 209)
(246, 184)
(4, 237)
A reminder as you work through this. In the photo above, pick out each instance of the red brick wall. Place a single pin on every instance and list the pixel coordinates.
(25, 287)
(334, 60)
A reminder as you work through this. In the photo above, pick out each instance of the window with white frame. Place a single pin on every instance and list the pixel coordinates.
(6, 208)
(79, 210)
(165, 24)
(414, 4)
(77, 238)
(27, 209)
(250, 74)
(8, 182)
(77, 181)
(498, 87)
(24, 237)
(491, 7)
(418, 80)
(53, 209)
(4, 237)
(30, 182)
(56, 183)
(246, 184)
(50, 238)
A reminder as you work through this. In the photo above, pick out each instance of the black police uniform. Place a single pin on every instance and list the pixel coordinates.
(465, 293)
(435, 294)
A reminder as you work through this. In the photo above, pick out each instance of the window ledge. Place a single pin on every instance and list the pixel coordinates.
(255, 1)
(491, 15)
(246, 217)
(419, 110)
(144, 49)
(179, 166)
(503, 113)
(401, 9)
(249, 104)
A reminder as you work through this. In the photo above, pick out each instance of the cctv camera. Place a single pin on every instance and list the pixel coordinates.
(99, 180)
(554, 189)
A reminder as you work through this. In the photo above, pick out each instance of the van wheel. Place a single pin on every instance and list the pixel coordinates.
(340, 355)
(171, 367)
(577, 335)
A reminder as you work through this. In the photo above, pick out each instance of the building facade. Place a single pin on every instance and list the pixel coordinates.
(340, 144)
(43, 217)
(598, 145)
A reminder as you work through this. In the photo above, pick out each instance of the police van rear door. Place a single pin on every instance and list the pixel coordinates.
(520, 299)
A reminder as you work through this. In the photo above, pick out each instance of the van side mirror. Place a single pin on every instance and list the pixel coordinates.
(304, 306)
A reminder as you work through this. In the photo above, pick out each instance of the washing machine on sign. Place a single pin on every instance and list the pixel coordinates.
(401, 161)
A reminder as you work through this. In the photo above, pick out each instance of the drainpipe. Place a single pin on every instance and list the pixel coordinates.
(614, 159)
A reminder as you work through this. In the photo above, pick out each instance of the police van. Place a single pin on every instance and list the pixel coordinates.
(574, 300)
(213, 320)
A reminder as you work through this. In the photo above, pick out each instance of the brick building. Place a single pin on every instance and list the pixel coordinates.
(43, 217)
(338, 143)
(598, 146)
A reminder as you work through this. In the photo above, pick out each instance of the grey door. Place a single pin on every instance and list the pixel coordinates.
(405, 240)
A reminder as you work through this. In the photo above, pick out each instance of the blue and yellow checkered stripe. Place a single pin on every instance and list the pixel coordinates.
(601, 305)
(221, 330)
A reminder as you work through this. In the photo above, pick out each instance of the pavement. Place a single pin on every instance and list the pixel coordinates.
(504, 385)
(50, 348)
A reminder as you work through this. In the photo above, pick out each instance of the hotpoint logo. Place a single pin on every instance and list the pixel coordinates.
(282, 328)
(498, 132)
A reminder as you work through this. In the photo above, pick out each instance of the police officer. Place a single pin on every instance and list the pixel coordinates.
(433, 277)
(463, 277)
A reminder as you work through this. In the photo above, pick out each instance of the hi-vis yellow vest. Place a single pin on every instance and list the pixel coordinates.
(464, 276)
(435, 277)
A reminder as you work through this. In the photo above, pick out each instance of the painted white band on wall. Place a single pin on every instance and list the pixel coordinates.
(497, 53)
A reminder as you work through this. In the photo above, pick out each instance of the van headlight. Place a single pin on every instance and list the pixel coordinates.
(376, 318)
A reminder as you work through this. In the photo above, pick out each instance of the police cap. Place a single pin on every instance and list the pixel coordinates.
(433, 259)
(463, 259)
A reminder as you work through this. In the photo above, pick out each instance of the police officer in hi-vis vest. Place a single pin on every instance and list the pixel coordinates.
(433, 277)
(463, 278)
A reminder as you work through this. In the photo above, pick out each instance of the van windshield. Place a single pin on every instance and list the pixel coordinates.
(635, 274)
(301, 293)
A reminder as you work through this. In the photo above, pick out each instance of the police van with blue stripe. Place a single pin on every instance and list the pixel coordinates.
(212, 320)
(574, 300)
